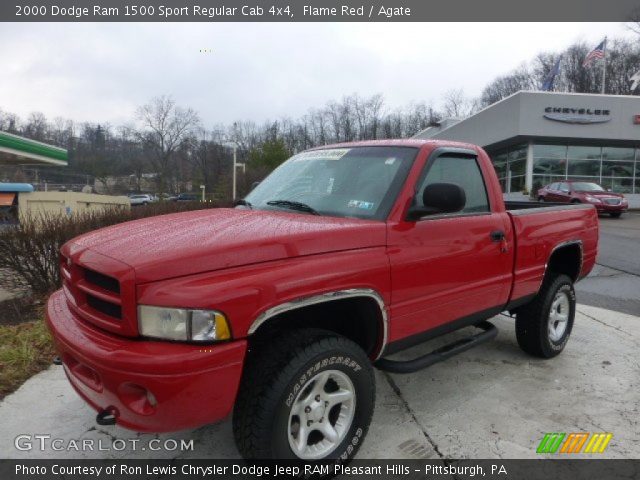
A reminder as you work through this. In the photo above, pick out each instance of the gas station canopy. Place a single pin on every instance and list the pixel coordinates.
(15, 150)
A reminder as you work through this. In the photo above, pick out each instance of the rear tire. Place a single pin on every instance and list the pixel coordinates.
(575, 200)
(307, 395)
(541, 199)
(543, 326)
(615, 214)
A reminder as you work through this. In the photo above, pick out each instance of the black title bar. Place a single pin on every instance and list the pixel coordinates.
(319, 11)
(185, 469)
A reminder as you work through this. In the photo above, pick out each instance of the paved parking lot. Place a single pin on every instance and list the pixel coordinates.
(490, 402)
(615, 282)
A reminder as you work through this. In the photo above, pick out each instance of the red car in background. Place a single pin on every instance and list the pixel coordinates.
(585, 192)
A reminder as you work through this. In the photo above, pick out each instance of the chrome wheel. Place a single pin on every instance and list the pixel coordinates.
(321, 415)
(558, 316)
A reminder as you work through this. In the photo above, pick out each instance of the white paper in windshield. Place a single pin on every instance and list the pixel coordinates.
(329, 154)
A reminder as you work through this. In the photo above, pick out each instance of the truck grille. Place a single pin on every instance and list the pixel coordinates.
(612, 201)
(96, 297)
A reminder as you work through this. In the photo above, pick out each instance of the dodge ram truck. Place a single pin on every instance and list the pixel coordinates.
(279, 309)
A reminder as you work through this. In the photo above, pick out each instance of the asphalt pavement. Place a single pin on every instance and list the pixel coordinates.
(615, 281)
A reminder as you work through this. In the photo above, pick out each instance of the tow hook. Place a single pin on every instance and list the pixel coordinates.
(57, 360)
(106, 417)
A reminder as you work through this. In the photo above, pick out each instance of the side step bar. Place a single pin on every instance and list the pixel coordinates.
(409, 366)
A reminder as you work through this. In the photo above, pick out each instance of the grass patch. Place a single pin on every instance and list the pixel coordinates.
(25, 350)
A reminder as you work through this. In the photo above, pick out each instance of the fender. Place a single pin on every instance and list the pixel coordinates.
(324, 298)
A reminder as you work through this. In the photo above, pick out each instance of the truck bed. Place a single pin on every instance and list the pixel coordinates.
(540, 228)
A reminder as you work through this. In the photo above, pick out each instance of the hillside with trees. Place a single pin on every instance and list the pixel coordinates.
(166, 148)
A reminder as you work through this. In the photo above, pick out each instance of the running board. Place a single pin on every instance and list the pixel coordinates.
(409, 366)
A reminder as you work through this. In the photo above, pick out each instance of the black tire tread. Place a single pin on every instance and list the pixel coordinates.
(268, 370)
(531, 319)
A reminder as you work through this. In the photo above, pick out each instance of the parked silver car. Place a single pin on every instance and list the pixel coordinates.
(141, 199)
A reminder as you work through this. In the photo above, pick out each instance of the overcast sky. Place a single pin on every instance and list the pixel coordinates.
(101, 72)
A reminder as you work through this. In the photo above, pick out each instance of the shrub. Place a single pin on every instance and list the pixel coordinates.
(29, 252)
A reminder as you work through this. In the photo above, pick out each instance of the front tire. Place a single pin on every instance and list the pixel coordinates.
(307, 395)
(543, 326)
(615, 214)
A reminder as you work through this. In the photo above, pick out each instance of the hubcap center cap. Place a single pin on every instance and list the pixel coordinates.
(317, 411)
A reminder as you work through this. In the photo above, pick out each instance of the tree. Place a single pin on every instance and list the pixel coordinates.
(506, 85)
(270, 154)
(165, 128)
(457, 104)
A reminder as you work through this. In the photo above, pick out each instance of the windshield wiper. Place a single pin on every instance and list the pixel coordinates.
(302, 207)
(243, 202)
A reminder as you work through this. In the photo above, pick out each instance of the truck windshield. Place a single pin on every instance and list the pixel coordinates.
(360, 182)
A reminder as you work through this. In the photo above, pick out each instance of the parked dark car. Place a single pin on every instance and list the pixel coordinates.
(187, 197)
(585, 192)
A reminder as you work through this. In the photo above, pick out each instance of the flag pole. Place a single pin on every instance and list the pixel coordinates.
(604, 67)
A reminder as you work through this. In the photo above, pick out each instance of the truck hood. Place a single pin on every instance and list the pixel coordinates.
(205, 240)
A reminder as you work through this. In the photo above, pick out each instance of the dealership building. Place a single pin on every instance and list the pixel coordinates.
(537, 138)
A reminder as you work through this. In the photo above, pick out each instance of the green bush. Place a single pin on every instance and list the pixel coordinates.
(29, 252)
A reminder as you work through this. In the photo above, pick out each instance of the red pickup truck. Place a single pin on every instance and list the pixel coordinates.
(280, 308)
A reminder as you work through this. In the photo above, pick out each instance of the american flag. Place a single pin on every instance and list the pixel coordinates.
(595, 54)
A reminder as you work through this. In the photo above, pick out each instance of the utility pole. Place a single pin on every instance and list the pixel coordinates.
(235, 167)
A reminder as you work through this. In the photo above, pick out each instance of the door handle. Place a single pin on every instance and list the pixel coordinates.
(497, 236)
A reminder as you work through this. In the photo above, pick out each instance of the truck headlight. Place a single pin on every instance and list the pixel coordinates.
(182, 324)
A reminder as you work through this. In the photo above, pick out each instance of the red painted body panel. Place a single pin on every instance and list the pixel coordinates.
(192, 386)
(539, 233)
(177, 245)
(244, 263)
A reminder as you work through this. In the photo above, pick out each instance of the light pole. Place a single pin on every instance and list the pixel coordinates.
(202, 187)
(234, 145)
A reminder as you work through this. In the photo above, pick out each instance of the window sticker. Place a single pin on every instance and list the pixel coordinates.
(329, 154)
(390, 161)
(360, 204)
(330, 186)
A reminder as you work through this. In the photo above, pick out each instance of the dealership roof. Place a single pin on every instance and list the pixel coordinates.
(15, 150)
(551, 116)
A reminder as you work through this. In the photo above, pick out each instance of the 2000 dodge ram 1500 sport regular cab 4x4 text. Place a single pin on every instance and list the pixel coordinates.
(280, 308)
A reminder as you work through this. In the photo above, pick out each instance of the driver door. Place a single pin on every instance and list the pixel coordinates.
(449, 267)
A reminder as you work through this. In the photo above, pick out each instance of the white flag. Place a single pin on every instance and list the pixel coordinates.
(636, 81)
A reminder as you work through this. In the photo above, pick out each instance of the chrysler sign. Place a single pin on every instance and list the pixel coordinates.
(577, 115)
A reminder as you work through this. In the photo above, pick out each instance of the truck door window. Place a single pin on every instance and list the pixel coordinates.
(463, 171)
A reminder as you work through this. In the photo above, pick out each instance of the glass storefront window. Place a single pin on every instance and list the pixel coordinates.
(549, 166)
(500, 164)
(617, 169)
(518, 152)
(549, 151)
(517, 184)
(619, 185)
(585, 153)
(613, 166)
(518, 167)
(614, 153)
(584, 167)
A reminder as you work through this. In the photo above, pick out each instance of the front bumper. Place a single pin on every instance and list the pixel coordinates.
(150, 386)
(603, 207)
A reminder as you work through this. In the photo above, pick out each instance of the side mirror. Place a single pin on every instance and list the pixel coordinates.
(439, 198)
(254, 185)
